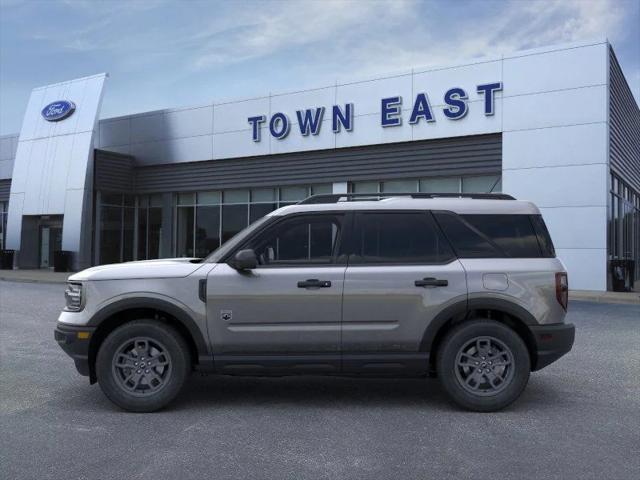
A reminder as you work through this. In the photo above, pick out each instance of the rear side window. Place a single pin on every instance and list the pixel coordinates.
(399, 237)
(544, 239)
(514, 234)
(488, 236)
(467, 242)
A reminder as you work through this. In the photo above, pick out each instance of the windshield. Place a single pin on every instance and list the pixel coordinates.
(230, 244)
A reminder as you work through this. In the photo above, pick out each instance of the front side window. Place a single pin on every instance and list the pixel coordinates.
(307, 239)
(399, 237)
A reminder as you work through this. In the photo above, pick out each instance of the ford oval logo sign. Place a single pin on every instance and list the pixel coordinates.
(56, 111)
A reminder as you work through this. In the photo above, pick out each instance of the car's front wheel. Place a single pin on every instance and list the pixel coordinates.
(483, 365)
(142, 365)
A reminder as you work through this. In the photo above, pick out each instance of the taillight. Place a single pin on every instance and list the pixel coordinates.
(562, 289)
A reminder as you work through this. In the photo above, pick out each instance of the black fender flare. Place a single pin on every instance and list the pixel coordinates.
(460, 310)
(182, 316)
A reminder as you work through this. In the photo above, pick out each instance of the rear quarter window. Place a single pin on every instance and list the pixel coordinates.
(544, 239)
(514, 234)
(494, 235)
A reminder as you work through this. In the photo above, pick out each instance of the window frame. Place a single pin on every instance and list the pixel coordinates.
(337, 259)
(351, 247)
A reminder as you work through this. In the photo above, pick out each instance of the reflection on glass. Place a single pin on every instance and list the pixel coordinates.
(365, 187)
(184, 238)
(259, 210)
(440, 185)
(207, 230)
(155, 232)
(234, 219)
(110, 234)
(400, 186)
(485, 184)
(293, 194)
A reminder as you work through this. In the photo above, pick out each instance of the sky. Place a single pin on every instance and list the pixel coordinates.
(162, 54)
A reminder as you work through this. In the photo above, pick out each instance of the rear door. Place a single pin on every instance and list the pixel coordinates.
(401, 274)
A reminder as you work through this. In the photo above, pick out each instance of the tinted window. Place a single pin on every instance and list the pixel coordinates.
(544, 239)
(399, 238)
(467, 242)
(303, 239)
(514, 234)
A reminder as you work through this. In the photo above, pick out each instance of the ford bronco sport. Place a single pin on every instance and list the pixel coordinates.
(465, 287)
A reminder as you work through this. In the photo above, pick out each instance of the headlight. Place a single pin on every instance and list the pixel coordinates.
(73, 297)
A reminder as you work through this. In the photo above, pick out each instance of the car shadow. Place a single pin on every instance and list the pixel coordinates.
(312, 391)
(203, 392)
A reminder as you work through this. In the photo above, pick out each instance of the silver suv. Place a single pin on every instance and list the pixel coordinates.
(465, 287)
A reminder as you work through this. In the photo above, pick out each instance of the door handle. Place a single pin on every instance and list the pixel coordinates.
(314, 283)
(431, 282)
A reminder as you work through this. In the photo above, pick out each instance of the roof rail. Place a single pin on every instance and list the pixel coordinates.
(350, 197)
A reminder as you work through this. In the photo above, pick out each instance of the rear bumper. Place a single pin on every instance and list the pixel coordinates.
(75, 343)
(552, 342)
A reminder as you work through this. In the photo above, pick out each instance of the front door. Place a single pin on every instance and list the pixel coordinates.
(401, 274)
(286, 313)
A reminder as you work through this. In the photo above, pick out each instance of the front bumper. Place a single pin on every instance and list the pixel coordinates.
(552, 342)
(75, 341)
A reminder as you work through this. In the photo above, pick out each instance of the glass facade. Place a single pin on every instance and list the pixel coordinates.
(131, 227)
(624, 236)
(117, 227)
(149, 226)
(205, 220)
(4, 208)
(474, 184)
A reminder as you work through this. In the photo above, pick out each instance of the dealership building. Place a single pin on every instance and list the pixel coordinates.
(557, 126)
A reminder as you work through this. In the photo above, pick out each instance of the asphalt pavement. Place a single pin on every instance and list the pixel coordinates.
(578, 418)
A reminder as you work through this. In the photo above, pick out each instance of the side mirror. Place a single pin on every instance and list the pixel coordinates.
(245, 260)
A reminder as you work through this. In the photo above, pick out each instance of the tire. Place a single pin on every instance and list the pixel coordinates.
(142, 365)
(483, 365)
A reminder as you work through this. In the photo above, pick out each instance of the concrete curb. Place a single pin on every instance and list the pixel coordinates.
(628, 298)
(33, 280)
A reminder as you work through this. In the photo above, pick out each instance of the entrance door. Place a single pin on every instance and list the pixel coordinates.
(50, 242)
(44, 246)
(285, 313)
(401, 275)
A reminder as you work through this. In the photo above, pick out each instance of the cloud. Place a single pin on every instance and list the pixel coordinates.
(293, 26)
(517, 26)
(370, 36)
(377, 37)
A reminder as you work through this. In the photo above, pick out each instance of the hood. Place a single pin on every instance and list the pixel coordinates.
(163, 268)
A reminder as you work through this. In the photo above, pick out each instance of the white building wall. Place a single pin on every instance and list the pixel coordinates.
(221, 130)
(555, 138)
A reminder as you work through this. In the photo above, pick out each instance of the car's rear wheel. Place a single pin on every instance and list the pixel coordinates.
(483, 365)
(142, 365)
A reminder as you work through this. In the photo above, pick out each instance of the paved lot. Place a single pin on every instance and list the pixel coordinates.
(578, 418)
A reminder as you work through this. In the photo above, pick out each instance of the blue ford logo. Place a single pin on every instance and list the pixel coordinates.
(56, 111)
